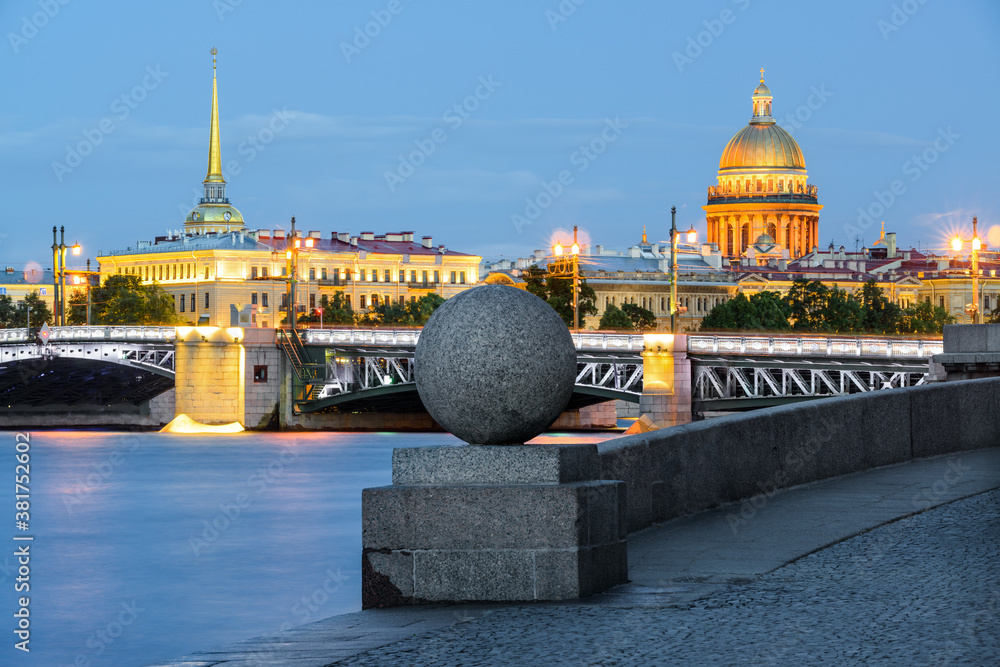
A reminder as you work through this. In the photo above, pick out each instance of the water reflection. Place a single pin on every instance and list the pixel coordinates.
(150, 546)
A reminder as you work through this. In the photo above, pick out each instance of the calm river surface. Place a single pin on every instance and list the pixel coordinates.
(149, 546)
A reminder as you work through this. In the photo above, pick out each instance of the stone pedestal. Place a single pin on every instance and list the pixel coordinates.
(971, 351)
(490, 524)
(666, 380)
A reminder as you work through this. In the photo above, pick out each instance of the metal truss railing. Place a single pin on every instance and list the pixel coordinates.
(408, 338)
(159, 356)
(623, 375)
(716, 382)
(84, 333)
(345, 375)
(816, 346)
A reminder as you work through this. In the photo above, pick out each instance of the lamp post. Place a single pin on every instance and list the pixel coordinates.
(290, 252)
(692, 236)
(557, 250)
(59, 274)
(976, 244)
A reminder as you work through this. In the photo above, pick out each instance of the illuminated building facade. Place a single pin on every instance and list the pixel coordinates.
(217, 261)
(762, 189)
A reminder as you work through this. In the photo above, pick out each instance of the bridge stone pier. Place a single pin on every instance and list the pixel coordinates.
(666, 388)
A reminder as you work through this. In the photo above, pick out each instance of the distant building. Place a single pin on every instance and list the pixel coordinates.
(762, 189)
(20, 284)
(217, 261)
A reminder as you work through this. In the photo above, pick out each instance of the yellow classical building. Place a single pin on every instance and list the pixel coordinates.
(217, 262)
(762, 189)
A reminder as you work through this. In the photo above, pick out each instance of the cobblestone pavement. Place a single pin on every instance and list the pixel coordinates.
(924, 590)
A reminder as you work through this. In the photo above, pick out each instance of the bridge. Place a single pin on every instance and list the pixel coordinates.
(748, 372)
(372, 369)
(85, 368)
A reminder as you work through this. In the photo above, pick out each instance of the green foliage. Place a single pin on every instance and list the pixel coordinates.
(765, 311)
(14, 316)
(124, 299)
(335, 311)
(812, 307)
(925, 318)
(642, 319)
(614, 318)
(558, 293)
(412, 314)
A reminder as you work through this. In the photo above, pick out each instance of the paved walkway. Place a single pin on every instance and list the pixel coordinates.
(852, 569)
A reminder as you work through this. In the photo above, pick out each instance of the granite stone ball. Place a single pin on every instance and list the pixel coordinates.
(495, 365)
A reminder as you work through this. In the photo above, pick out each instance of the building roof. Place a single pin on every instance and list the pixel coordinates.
(43, 278)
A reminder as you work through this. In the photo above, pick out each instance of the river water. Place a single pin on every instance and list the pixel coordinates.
(148, 546)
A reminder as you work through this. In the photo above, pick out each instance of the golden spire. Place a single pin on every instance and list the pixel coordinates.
(214, 152)
(762, 75)
(644, 233)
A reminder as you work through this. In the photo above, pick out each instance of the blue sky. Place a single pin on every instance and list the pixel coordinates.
(315, 114)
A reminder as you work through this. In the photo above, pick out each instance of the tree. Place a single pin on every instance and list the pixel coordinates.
(614, 318)
(335, 311)
(879, 315)
(642, 319)
(412, 314)
(558, 293)
(762, 311)
(16, 315)
(925, 318)
(124, 299)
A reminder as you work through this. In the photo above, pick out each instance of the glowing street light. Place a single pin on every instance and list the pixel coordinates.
(557, 250)
(976, 244)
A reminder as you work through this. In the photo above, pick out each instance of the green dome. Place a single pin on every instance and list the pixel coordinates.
(208, 214)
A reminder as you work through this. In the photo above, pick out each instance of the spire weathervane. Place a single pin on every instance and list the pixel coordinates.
(761, 72)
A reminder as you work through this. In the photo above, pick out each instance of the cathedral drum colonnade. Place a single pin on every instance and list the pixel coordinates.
(762, 188)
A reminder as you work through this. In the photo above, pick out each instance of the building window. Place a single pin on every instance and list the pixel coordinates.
(312, 300)
(461, 277)
(284, 299)
(402, 276)
(322, 273)
(182, 303)
(413, 276)
(206, 273)
(347, 300)
(454, 277)
(374, 275)
(263, 299)
(663, 304)
(253, 298)
(284, 271)
(253, 273)
(942, 302)
(312, 273)
(388, 275)
(194, 304)
(363, 303)
(374, 300)
(424, 274)
(263, 272)
(206, 300)
(259, 374)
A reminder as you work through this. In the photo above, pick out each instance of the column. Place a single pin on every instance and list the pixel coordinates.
(666, 383)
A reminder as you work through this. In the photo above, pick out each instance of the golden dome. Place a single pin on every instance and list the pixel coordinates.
(214, 214)
(761, 90)
(762, 145)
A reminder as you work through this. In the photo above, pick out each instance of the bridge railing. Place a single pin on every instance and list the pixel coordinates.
(57, 334)
(816, 346)
(409, 338)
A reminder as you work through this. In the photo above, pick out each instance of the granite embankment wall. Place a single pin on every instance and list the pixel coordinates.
(701, 465)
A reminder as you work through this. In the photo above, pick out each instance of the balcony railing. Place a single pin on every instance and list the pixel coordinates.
(818, 346)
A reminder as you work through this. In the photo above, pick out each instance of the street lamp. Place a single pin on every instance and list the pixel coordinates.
(976, 244)
(692, 236)
(558, 250)
(59, 273)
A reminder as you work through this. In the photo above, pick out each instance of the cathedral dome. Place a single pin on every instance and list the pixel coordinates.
(762, 145)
